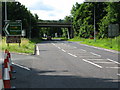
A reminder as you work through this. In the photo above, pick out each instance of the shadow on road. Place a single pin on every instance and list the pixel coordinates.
(55, 79)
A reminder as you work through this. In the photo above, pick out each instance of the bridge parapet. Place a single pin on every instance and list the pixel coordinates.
(54, 24)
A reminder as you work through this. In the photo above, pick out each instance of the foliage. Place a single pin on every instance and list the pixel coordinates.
(107, 43)
(26, 45)
(17, 11)
(83, 16)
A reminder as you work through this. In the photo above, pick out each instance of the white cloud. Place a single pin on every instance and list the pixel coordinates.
(50, 9)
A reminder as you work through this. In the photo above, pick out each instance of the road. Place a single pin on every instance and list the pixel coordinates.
(63, 64)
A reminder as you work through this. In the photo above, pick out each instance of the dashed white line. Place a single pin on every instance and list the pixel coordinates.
(95, 54)
(59, 48)
(72, 55)
(83, 50)
(63, 50)
(74, 47)
(92, 63)
(113, 61)
(21, 66)
(53, 44)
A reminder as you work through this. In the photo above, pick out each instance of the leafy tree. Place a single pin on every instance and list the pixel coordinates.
(110, 18)
(17, 11)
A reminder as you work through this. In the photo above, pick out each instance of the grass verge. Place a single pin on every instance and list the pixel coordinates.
(107, 43)
(26, 46)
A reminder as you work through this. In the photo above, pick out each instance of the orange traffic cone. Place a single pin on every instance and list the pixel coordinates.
(6, 65)
(6, 53)
(10, 62)
(6, 78)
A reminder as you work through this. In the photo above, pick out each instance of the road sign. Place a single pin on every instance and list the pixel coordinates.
(15, 28)
(13, 31)
(113, 30)
(13, 39)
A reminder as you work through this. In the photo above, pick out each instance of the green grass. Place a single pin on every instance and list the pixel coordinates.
(104, 43)
(62, 38)
(26, 46)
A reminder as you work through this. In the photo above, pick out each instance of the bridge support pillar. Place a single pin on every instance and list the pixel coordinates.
(70, 33)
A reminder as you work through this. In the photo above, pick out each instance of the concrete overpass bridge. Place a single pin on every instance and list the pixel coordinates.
(58, 24)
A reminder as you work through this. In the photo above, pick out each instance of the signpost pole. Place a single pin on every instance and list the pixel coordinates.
(5, 11)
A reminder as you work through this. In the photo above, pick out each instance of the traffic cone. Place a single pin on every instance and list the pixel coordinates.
(10, 62)
(6, 78)
(6, 53)
(6, 65)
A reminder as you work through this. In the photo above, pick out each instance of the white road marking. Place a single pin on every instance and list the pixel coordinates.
(104, 62)
(21, 66)
(74, 47)
(113, 61)
(83, 50)
(37, 51)
(95, 54)
(118, 74)
(92, 63)
(53, 44)
(113, 67)
(96, 59)
(63, 50)
(59, 48)
(72, 55)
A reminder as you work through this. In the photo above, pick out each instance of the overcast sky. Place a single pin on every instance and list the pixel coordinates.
(50, 9)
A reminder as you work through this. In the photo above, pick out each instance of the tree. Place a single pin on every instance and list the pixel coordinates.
(110, 18)
(17, 11)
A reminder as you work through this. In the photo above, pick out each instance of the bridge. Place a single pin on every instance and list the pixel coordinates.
(54, 24)
(58, 24)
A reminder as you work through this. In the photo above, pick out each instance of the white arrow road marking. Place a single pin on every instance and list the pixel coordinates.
(21, 66)
(93, 63)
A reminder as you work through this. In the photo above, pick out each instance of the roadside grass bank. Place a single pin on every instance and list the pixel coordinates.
(107, 43)
(62, 38)
(26, 46)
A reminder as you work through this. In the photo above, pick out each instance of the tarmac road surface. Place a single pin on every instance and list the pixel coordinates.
(63, 64)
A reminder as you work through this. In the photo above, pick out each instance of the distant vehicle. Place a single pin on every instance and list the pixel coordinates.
(49, 38)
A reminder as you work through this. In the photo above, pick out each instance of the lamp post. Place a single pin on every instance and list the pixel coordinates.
(94, 25)
(5, 12)
(30, 28)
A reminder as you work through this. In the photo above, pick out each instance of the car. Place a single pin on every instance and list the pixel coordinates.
(49, 38)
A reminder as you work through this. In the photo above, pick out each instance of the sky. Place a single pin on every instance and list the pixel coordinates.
(50, 9)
